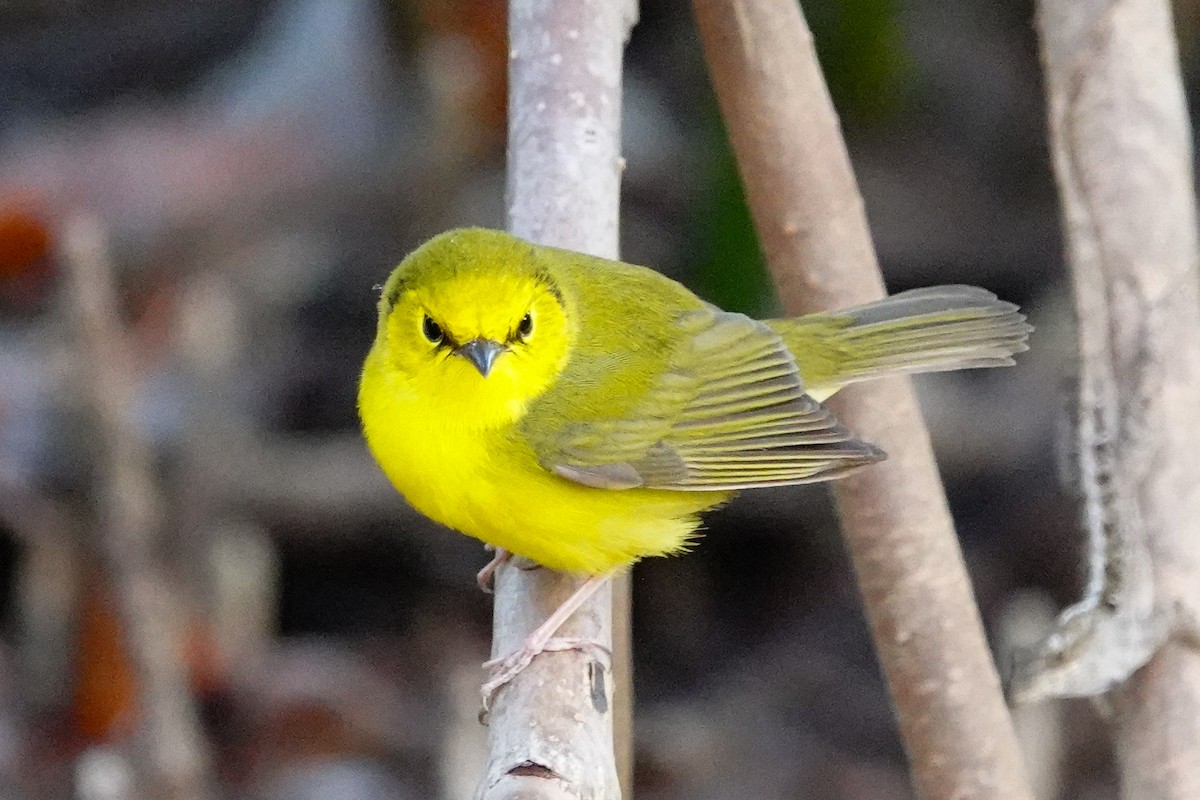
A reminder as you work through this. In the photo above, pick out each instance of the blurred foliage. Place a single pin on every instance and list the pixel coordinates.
(860, 45)
(26, 269)
(729, 270)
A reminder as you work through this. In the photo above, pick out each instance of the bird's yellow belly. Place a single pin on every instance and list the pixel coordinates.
(487, 485)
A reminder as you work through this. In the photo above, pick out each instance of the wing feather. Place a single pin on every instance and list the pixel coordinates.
(729, 412)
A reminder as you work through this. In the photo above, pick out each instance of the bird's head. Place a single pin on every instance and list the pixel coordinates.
(473, 321)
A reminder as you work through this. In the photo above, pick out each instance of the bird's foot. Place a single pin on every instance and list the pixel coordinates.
(542, 639)
(505, 668)
(487, 575)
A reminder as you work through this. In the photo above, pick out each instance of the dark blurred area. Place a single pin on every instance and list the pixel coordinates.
(258, 167)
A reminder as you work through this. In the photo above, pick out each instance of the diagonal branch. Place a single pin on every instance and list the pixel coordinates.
(810, 221)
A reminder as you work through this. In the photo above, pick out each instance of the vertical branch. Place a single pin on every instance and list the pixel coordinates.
(622, 670)
(810, 220)
(551, 728)
(172, 756)
(1121, 143)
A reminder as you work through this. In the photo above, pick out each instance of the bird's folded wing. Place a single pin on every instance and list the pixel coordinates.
(729, 412)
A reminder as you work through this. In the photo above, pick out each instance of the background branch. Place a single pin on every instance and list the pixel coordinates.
(551, 729)
(810, 220)
(1121, 143)
(170, 754)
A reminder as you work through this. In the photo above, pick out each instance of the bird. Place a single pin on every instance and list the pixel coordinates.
(582, 412)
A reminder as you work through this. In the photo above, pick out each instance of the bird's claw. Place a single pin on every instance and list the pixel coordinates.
(505, 668)
(486, 576)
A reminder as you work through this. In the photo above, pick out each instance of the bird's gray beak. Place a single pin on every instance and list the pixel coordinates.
(482, 353)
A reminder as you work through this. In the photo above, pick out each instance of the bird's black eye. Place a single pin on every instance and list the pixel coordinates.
(433, 331)
(525, 326)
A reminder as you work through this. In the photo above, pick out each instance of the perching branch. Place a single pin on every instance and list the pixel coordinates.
(551, 728)
(810, 221)
(1121, 143)
(172, 754)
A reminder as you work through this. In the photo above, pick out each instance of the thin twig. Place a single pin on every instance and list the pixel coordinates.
(551, 728)
(810, 220)
(172, 756)
(1121, 143)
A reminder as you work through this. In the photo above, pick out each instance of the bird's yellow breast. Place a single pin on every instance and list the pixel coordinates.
(460, 461)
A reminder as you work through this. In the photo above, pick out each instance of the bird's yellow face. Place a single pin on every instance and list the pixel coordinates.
(476, 340)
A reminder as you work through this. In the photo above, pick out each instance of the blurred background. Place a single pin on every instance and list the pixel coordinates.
(252, 169)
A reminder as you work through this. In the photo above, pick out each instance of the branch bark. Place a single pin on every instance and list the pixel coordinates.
(172, 756)
(551, 728)
(1121, 143)
(810, 221)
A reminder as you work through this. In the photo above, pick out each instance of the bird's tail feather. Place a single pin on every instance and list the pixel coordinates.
(923, 330)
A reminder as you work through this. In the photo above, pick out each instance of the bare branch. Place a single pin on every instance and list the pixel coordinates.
(551, 728)
(809, 215)
(1121, 143)
(173, 759)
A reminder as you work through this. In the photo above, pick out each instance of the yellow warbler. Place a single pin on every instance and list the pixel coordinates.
(581, 412)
